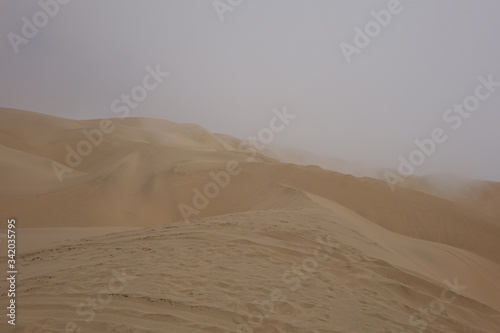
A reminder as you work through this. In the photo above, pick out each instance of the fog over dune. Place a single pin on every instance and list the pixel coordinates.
(365, 79)
(237, 166)
(202, 230)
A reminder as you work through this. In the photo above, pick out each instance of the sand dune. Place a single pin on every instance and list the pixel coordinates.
(269, 247)
(483, 196)
(295, 270)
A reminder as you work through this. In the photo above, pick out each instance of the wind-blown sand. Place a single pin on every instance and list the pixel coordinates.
(281, 248)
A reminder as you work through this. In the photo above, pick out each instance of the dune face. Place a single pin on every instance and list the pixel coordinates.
(483, 196)
(222, 238)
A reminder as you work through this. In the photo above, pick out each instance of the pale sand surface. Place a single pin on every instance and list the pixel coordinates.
(31, 239)
(280, 248)
(205, 276)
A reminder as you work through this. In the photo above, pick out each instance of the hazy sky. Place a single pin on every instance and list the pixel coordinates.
(229, 75)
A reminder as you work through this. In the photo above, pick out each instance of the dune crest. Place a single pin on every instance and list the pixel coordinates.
(224, 239)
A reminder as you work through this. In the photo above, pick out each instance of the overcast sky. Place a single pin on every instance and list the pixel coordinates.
(232, 65)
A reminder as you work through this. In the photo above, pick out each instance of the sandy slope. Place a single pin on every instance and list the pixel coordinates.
(319, 251)
(483, 196)
(300, 157)
(296, 270)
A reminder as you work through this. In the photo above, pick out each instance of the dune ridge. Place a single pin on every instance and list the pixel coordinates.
(204, 267)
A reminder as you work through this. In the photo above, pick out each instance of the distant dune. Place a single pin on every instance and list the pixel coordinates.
(223, 231)
(483, 196)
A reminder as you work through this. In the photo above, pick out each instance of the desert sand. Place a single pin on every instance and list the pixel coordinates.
(133, 238)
